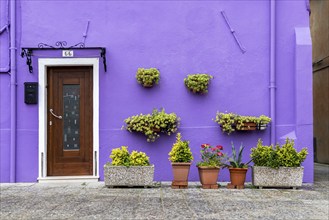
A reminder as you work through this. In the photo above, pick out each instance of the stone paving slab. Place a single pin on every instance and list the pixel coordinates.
(95, 201)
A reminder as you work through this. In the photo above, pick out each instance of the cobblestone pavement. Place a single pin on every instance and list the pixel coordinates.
(94, 201)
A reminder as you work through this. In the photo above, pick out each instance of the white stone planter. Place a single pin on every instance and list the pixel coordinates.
(128, 176)
(281, 177)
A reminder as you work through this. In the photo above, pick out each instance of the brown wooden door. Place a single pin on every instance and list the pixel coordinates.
(70, 125)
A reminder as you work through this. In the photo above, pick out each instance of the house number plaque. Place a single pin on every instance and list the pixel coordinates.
(67, 53)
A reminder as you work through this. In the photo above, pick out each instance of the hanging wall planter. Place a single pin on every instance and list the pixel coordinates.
(230, 122)
(148, 77)
(198, 83)
(152, 125)
(246, 123)
(248, 126)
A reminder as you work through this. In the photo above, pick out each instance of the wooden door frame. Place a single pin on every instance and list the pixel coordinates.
(43, 64)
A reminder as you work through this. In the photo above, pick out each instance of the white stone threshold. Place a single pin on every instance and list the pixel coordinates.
(68, 179)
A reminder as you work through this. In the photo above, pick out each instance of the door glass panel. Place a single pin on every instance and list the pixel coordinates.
(71, 106)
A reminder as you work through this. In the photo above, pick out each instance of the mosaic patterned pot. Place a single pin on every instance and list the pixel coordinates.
(128, 176)
(280, 177)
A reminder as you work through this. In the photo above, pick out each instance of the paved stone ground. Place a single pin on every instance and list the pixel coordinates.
(94, 201)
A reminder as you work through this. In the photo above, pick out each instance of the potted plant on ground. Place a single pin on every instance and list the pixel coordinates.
(208, 167)
(237, 168)
(152, 125)
(198, 83)
(181, 158)
(148, 77)
(128, 169)
(277, 166)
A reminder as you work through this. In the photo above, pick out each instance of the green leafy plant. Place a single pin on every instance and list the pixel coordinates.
(230, 122)
(180, 151)
(211, 156)
(236, 160)
(139, 159)
(122, 157)
(152, 125)
(287, 155)
(198, 83)
(284, 156)
(147, 77)
(263, 155)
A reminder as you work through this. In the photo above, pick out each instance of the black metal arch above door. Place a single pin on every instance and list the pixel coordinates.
(60, 45)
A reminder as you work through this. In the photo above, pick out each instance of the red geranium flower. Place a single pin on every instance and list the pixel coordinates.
(205, 145)
(219, 147)
(220, 154)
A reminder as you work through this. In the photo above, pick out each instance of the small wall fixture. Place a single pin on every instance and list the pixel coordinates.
(31, 92)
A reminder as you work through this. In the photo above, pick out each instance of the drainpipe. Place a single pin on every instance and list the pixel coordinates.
(272, 73)
(6, 28)
(13, 91)
(5, 69)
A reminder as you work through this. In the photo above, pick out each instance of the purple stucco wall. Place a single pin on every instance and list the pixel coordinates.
(178, 38)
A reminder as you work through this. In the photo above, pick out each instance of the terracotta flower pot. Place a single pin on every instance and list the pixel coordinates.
(180, 173)
(238, 176)
(208, 177)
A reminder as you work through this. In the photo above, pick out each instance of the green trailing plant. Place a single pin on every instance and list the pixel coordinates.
(198, 83)
(211, 156)
(148, 77)
(263, 121)
(152, 125)
(122, 157)
(284, 156)
(180, 151)
(236, 160)
(230, 122)
(226, 121)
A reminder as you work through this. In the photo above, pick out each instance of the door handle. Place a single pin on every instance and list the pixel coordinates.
(56, 116)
